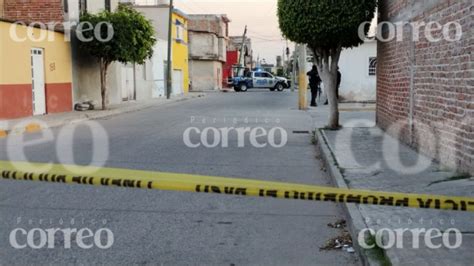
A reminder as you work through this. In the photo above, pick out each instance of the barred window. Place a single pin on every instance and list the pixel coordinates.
(372, 66)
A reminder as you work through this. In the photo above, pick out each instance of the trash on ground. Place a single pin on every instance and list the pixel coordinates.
(338, 224)
(342, 242)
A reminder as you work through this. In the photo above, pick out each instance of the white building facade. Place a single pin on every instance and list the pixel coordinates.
(124, 82)
(358, 68)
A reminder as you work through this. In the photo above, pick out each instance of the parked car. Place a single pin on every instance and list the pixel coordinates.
(260, 80)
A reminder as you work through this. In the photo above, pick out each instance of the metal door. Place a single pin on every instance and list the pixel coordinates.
(178, 82)
(128, 83)
(37, 81)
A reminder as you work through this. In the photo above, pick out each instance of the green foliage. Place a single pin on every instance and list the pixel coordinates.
(377, 253)
(280, 72)
(325, 24)
(133, 36)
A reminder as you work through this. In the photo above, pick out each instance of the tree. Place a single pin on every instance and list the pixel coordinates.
(327, 27)
(124, 35)
(280, 72)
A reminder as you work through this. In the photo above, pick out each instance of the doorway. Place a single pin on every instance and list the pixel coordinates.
(37, 81)
(178, 82)
(128, 83)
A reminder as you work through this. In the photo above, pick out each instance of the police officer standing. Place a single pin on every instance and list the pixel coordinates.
(314, 84)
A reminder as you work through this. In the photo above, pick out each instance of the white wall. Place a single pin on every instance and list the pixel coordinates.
(356, 84)
(150, 78)
(205, 75)
(86, 72)
(87, 80)
(159, 18)
(158, 68)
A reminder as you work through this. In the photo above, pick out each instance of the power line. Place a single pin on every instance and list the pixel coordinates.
(263, 35)
(267, 40)
(259, 41)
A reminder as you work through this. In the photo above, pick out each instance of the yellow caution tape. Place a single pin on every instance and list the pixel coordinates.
(226, 186)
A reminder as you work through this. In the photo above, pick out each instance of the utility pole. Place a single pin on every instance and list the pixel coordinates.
(169, 80)
(283, 62)
(287, 63)
(302, 79)
(293, 73)
(242, 53)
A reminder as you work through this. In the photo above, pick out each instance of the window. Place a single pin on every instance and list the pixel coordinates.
(267, 75)
(372, 66)
(82, 6)
(107, 5)
(179, 33)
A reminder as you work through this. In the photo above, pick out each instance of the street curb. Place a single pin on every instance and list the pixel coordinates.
(82, 117)
(32, 128)
(3, 134)
(29, 128)
(356, 221)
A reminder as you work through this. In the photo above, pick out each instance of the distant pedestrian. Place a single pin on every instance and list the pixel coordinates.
(338, 85)
(314, 84)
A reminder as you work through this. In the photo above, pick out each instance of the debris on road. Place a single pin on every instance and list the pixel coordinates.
(338, 224)
(341, 242)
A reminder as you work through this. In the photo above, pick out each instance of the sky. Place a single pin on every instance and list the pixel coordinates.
(259, 15)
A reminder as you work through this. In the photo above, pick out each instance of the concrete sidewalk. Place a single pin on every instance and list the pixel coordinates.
(36, 123)
(367, 158)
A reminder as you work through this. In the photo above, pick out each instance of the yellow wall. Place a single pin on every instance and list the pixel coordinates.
(15, 57)
(180, 52)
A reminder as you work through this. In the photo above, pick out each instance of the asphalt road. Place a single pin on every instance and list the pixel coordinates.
(159, 227)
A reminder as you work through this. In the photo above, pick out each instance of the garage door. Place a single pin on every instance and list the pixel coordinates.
(177, 82)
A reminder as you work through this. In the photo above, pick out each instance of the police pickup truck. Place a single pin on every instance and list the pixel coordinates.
(260, 80)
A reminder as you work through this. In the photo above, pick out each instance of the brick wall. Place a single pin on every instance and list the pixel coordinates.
(215, 24)
(208, 37)
(44, 11)
(204, 25)
(429, 86)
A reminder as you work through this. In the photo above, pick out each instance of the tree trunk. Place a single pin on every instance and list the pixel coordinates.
(103, 82)
(330, 82)
(326, 62)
